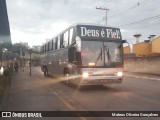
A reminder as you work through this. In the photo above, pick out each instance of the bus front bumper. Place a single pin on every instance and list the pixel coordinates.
(99, 80)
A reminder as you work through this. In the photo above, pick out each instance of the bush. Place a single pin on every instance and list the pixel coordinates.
(7, 72)
(4, 82)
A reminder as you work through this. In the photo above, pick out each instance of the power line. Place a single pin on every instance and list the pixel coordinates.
(130, 8)
(147, 19)
(109, 3)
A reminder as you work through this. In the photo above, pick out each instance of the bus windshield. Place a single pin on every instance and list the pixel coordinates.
(101, 54)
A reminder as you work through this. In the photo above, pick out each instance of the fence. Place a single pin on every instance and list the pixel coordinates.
(142, 64)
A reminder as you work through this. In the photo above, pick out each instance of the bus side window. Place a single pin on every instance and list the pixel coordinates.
(65, 39)
(72, 55)
(50, 46)
(58, 44)
(45, 49)
(61, 41)
(42, 49)
(70, 35)
(53, 44)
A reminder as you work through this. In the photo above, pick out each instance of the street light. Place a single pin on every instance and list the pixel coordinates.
(1, 51)
(5, 53)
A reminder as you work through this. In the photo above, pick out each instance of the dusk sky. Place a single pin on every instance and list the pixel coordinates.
(34, 21)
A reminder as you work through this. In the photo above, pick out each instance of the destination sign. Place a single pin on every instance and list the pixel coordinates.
(98, 32)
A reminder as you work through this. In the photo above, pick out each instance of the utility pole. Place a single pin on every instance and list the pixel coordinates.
(105, 10)
(30, 52)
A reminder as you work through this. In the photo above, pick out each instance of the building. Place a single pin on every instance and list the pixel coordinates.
(155, 46)
(36, 48)
(24, 44)
(19, 47)
(5, 38)
(147, 58)
(146, 48)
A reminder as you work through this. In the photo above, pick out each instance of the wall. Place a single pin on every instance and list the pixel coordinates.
(156, 45)
(140, 49)
(143, 65)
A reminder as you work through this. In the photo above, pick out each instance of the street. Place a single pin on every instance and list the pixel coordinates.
(40, 93)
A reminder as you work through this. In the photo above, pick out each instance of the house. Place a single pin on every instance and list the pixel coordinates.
(145, 48)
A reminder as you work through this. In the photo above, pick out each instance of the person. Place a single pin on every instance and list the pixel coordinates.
(29, 63)
(16, 66)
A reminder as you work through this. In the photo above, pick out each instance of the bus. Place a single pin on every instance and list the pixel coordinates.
(85, 54)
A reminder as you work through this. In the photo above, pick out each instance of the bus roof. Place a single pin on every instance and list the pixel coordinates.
(82, 24)
(90, 24)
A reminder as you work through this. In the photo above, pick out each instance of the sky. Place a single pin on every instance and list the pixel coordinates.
(35, 21)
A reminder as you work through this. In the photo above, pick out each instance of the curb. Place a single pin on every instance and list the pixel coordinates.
(143, 77)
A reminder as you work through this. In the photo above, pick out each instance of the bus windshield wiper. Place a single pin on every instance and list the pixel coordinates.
(107, 53)
(99, 56)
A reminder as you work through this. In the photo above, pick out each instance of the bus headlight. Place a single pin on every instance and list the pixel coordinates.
(119, 74)
(85, 74)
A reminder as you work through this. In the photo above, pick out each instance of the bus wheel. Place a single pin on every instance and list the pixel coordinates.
(66, 78)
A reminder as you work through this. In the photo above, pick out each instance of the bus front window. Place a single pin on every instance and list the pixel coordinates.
(113, 54)
(101, 54)
(91, 53)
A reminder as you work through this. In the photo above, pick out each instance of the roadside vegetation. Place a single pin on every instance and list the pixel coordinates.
(5, 80)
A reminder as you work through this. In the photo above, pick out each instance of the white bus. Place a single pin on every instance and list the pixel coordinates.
(85, 54)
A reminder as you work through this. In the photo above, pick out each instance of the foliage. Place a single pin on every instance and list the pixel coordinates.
(7, 72)
(4, 81)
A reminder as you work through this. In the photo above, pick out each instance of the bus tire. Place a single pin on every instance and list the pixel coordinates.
(66, 77)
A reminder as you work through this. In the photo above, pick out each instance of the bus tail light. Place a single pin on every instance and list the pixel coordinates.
(85, 74)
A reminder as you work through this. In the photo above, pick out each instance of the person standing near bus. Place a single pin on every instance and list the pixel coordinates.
(16, 66)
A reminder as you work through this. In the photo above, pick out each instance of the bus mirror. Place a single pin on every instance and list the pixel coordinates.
(124, 41)
(120, 45)
(129, 44)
